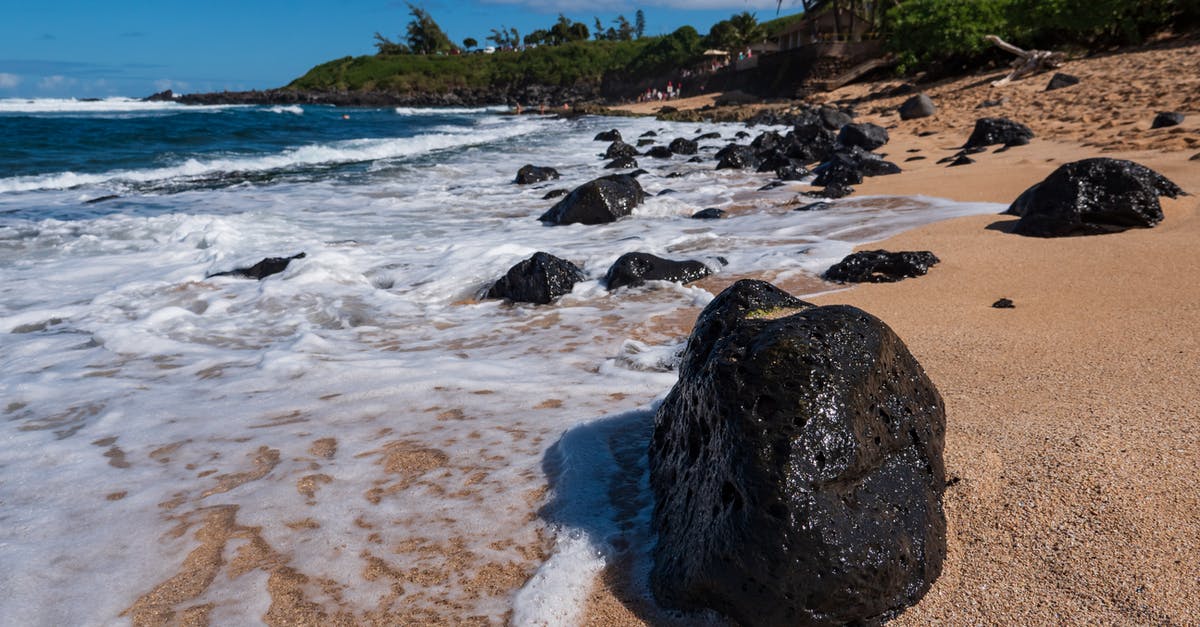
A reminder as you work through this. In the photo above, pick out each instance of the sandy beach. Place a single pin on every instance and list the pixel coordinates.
(1072, 445)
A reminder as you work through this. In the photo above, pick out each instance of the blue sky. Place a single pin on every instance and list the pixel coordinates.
(97, 48)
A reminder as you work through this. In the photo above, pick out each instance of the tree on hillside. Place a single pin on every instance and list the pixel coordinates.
(424, 36)
(639, 23)
(738, 31)
(564, 30)
(505, 37)
(385, 46)
(469, 43)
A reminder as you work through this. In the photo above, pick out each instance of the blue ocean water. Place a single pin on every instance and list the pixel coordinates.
(360, 419)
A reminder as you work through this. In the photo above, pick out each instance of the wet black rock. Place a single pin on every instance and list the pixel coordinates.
(633, 269)
(812, 143)
(610, 136)
(100, 199)
(262, 269)
(815, 206)
(666, 191)
(555, 193)
(991, 131)
(1060, 80)
(768, 141)
(621, 163)
(741, 135)
(638, 172)
(833, 119)
(681, 146)
(866, 136)
(797, 467)
(961, 159)
(596, 202)
(696, 160)
(539, 279)
(660, 152)
(880, 266)
(831, 191)
(535, 174)
(734, 156)
(1167, 118)
(919, 106)
(771, 185)
(645, 142)
(1092, 197)
(163, 96)
(1004, 303)
(792, 173)
(772, 160)
(620, 149)
(711, 213)
(840, 170)
(705, 136)
(649, 134)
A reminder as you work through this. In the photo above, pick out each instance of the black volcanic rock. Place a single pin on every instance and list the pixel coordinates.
(866, 136)
(1004, 303)
(1167, 118)
(596, 202)
(620, 149)
(830, 191)
(682, 146)
(609, 136)
(1092, 197)
(820, 205)
(633, 269)
(702, 137)
(991, 131)
(833, 119)
(791, 173)
(649, 141)
(1060, 80)
(621, 163)
(711, 213)
(555, 193)
(796, 467)
(539, 279)
(260, 270)
(738, 157)
(919, 106)
(660, 152)
(649, 134)
(534, 174)
(880, 266)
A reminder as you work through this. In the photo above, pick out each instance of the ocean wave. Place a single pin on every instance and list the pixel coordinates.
(107, 105)
(294, 109)
(342, 152)
(449, 110)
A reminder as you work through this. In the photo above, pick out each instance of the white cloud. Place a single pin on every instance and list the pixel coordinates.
(9, 81)
(57, 81)
(575, 6)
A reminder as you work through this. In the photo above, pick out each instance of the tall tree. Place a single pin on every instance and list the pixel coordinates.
(424, 36)
(639, 23)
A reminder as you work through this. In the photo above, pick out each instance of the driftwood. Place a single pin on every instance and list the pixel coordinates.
(1027, 61)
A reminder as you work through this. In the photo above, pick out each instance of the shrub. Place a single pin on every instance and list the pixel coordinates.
(921, 32)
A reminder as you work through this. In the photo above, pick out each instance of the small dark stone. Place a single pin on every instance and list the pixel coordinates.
(796, 467)
(1004, 303)
(645, 142)
(620, 149)
(621, 163)
(638, 172)
(880, 266)
(792, 173)
(260, 270)
(633, 269)
(609, 136)
(917, 158)
(815, 206)
(919, 106)
(1092, 197)
(535, 174)
(1060, 80)
(660, 152)
(961, 160)
(866, 136)
(771, 185)
(705, 136)
(555, 193)
(92, 201)
(674, 175)
(649, 134)
(832, 191)
(711, 213)
(665, 192)
(1167, 118)
(696, 160)
(539, 279)
(991, 131)
(681, 146)
(992, 103)
(741, 135)
(926, 133)
(598, 201)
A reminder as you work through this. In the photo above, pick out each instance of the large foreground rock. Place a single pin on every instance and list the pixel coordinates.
(633, 269)
(539, 279)
(1092, 197)
(797, 466)
(881, 266)
(596, 202)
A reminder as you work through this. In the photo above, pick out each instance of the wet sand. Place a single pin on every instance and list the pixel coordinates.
(1072, 420)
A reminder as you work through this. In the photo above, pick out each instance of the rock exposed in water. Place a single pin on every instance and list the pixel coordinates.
(734, 156)
(713, 135)
(1166, 118)
(539, 279)
(649, 134)
(535, 174)
(596, 202)
(1060, 80)
(633, 269)
(831, 191)
(792, 173)
(820, 205)
(612, 136)
(620, 149)
(919, 106)
(711, 213)
(797, 466)
(1091, 197)
(660, 152)
(880, 266)
(621, 163)
(866, 136)
(645, 142)
(262, 269)
(554, 193)
(682, 146)
(991, 131)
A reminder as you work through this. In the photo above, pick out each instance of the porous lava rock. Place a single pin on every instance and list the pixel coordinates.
(866, 136)
(738, 157)
(621, 163)
(633, 269)
(555, 193)
(991, 131)
(881, 266)
(598, 201)
(620, 149)
(704, 136)
(529, 174)
(260, 270)
(660, 152)
(539, 279)
(684, 146)
(711, 213)
(1091, 197)
(792, 173)
(796, 467)
(1163, 119)
(919, 106)
(613, 136)
(1060, 80)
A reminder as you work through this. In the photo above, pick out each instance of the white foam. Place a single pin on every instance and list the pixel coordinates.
(449, 110)
(293, 109)
(106, 105)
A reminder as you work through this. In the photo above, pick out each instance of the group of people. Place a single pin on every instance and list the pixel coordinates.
(653, 94)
